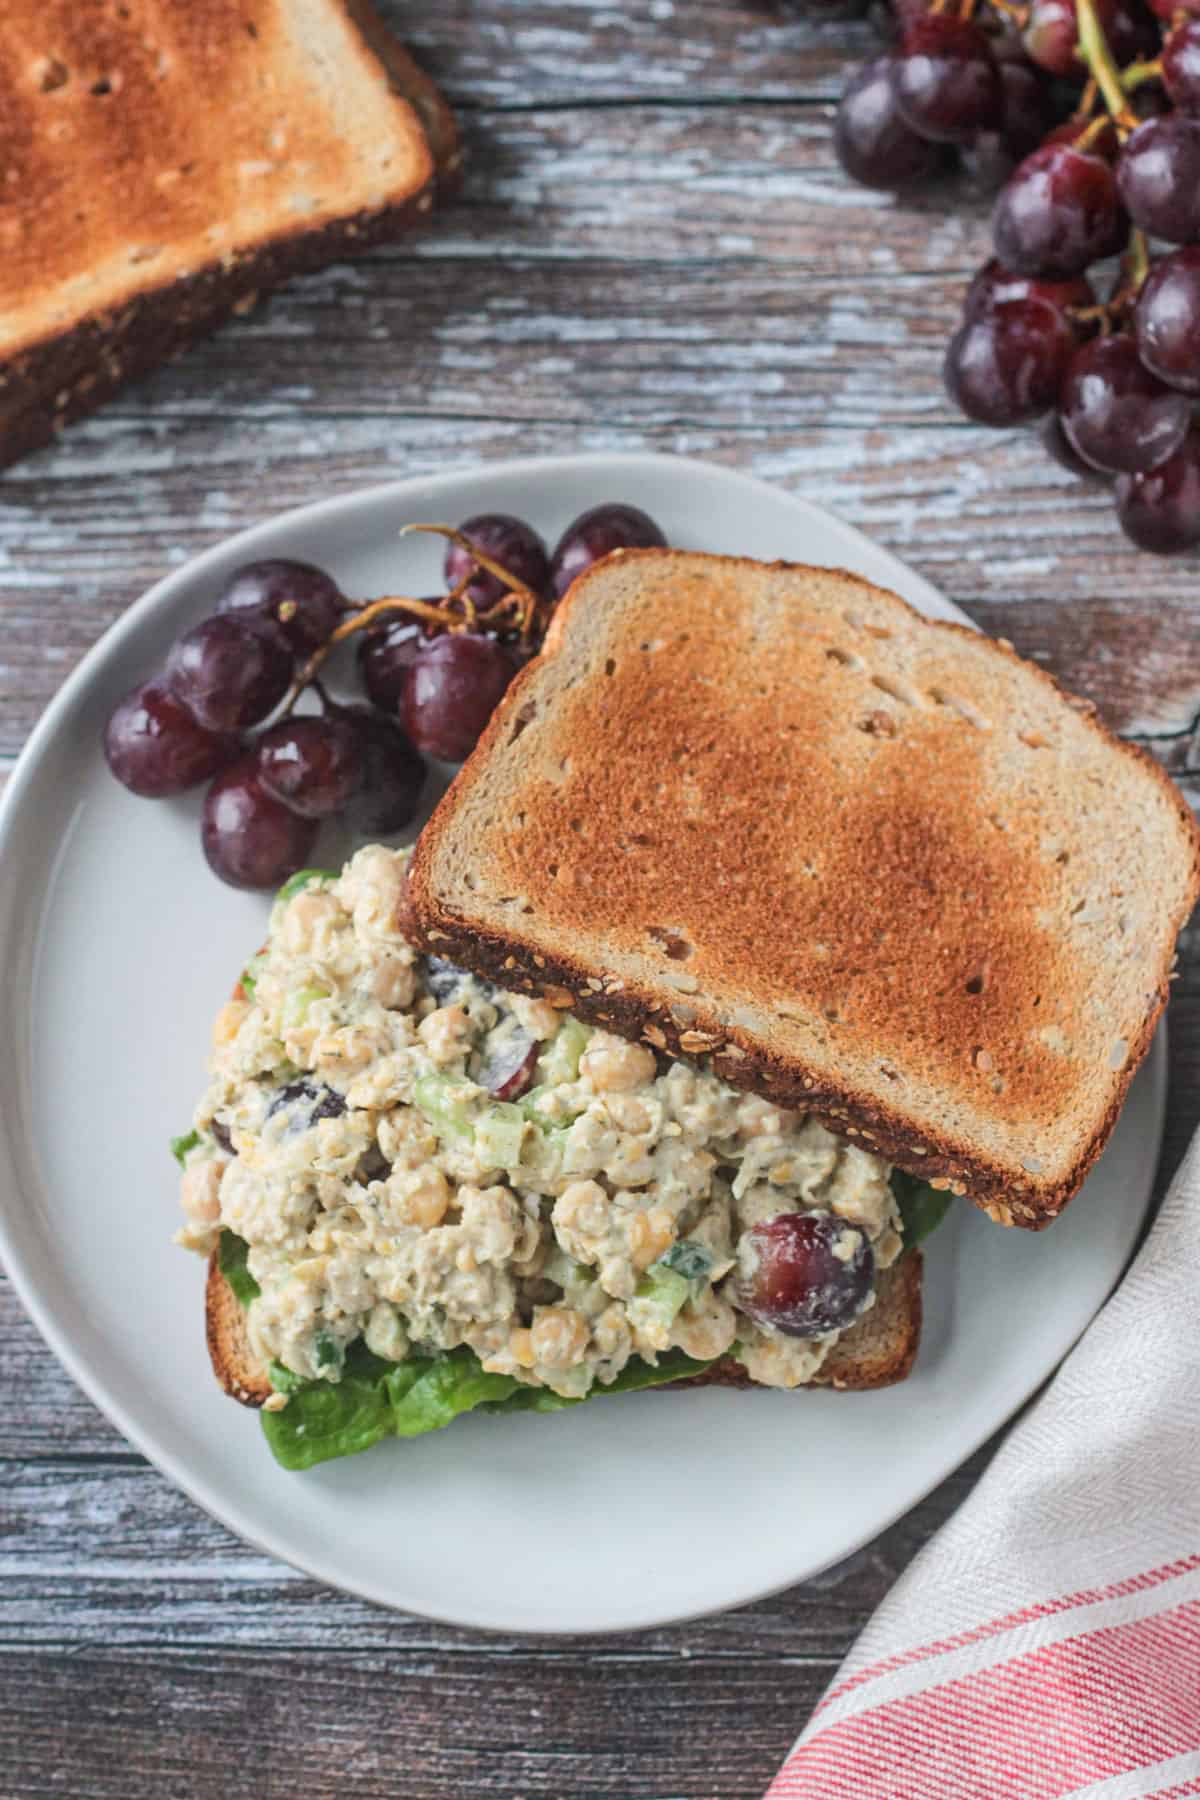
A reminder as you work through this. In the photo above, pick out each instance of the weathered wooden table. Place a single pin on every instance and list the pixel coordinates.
(654, 248)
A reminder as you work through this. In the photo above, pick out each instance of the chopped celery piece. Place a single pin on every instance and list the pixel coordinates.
(559, 1061)
(529, 1104)
(500, 1135)
(663, 1292)
(297, 1005)
(447, 1106)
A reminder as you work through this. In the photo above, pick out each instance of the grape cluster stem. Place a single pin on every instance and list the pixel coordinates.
(458, 612)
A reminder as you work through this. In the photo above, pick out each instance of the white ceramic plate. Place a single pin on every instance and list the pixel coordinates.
(116, 947)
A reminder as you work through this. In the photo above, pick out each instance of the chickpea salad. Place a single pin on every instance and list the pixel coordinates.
(432, 1195)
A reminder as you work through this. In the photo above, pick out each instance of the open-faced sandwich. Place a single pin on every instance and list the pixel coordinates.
(765, 916)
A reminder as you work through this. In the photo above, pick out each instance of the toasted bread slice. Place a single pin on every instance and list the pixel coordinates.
(869, 864)
(876, 1352)
(168, 162)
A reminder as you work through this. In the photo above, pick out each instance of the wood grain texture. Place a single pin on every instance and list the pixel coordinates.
(653, 249)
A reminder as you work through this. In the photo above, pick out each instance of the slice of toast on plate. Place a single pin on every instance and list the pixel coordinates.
(867, 864)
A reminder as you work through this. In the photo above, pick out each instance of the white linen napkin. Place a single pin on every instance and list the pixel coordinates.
(1047, 1641)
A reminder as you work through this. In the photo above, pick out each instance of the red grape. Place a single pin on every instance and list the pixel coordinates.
(393, 774)
(230, 672)
(1181, 65)
(1105, 145)
(1060, 212)
(595, 534)
(451, 690)
(1167, 9)
(1159, 178)
(305, 602)
(1167, 320)
(797, 1283)
(251, 839)
(1160, 510)
(1004, 366)
(154, 746)
(870, 139)
(1051, 35)
(946, 80)
(1117, 415)
(508, 541)
(385, 652)
(313, 763)
(994, 286)
(1056, 444)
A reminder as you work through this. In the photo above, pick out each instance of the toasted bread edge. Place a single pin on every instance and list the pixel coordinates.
(635, 1012)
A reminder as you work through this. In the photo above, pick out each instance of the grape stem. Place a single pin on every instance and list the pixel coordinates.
(520, 601)
(1135, 74)
(1094, 48)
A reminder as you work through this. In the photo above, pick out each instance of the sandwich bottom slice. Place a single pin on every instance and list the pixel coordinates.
(421, 1195)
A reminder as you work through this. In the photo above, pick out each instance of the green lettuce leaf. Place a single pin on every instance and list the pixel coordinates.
(324, 1419)
(376, 1399)
(232, 1252)
(182, 1144)
(302, 879)
(675, 1366)
(922, 1208)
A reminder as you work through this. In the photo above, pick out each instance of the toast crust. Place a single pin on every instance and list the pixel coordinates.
(876, 1352)
(541, 959)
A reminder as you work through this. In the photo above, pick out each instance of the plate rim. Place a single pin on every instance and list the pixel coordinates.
(311, 515)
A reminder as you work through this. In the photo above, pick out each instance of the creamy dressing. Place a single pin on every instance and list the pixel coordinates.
(355, 1134)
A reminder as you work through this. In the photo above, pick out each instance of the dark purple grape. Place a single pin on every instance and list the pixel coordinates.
(1105, 144)
(508, 1071)
(1160, 511)
(1118, 416)
(154, 746)
(251, 839)
(230, 672)
(388, 796)
(1004, 366)
(302, 599)
(1051, 35)
(451, 691)
(1057, 445)
(313, 763)
(1159, 178)
(797, 1283)
(1181, 65)
(1167, 9)
(1131, 31)
(596, 534)
(1029, 106)
(385, 652)
(1059, 212)
(508, 541)
(1167, 320)
(305, 1102)
(870, 139)
(946, 80)
(994, 286)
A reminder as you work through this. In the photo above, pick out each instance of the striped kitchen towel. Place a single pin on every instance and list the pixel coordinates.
(1047, 1641)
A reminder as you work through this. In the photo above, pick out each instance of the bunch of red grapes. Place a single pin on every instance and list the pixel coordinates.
(432, 671)
(1085, 114)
